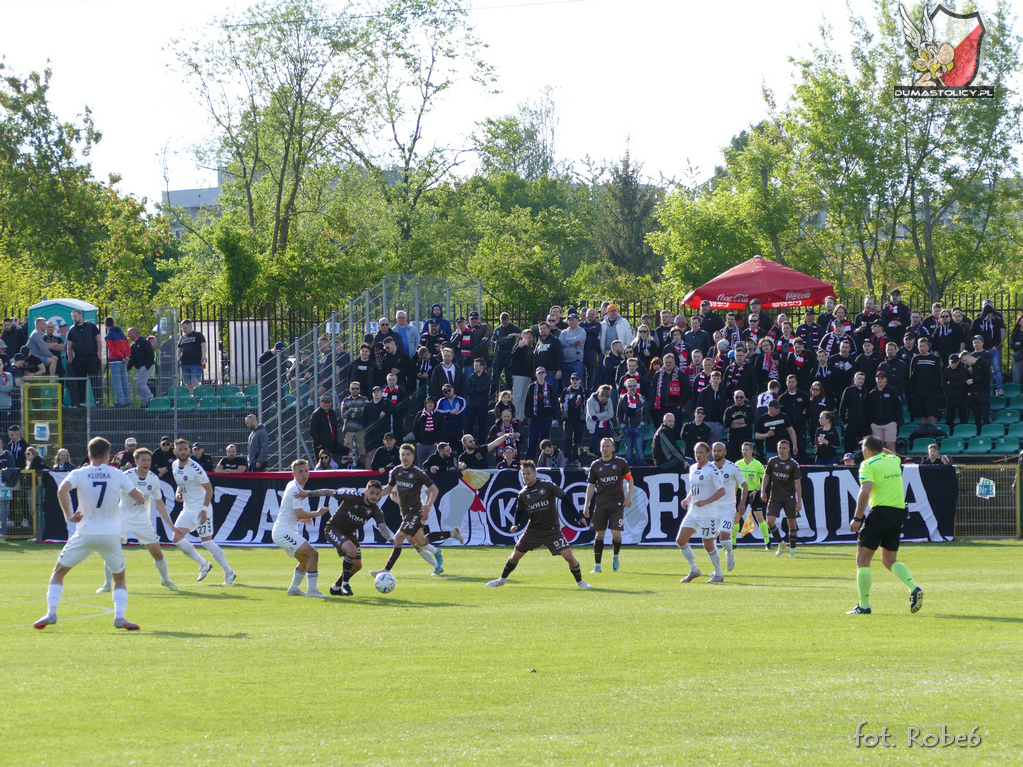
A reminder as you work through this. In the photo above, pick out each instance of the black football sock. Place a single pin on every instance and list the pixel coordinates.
(510, 565)
(777, 534)
(793, 530)
(598, 551)
(577, 572)
(435, 537)
(616, 546)
(346, 569)
(395, 553)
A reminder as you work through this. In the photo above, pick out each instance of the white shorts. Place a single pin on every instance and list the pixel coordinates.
(139, 529)
(78, 549)
(289, 540)
(704, 524)
(726, 519)
(189, 519)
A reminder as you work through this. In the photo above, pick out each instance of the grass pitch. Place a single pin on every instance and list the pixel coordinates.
(764, 669)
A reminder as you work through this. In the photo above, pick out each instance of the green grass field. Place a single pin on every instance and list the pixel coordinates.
(764, 669)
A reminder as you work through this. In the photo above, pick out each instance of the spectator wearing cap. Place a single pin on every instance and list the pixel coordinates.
(573, 346)
(542, 406)
(451, 407)
(771, 427)
(483, 333)
(710, 321)
(884, 411)
(875, 335)
(118, 354)
(428, 428)
(613, 328)
(324, 430)
(477, 400)
(809, 330)
(991, 328)
(433, 339)
(232, 463)
(696, 431)
(979, 382)
(200, 457)
(521, 368)
(631, 415)
(437, 315)
(505, 337)
(125, 459)
(753, 308)
(163, 458)
(754, 329)
(849, 459)
(573, 413)
(868, 361)
(387, 456)
(378, 408)
(954, 383)
(895, 316)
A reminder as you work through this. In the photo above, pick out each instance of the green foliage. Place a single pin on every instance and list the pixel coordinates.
(625, 217)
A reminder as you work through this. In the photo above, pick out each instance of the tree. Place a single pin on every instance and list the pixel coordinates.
(522, 144)
(625, 217)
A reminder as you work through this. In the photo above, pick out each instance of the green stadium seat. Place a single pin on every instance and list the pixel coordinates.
(179, 392)
(49, 391)
(252, 390)
(953, 445)
(159, 405)
(965, 430)
(252, 402)
(228, 391)
(1012, 390)
(978, 446)
(289, 400)
(204, 391)
(1016, 403)
(185, 405)
(1008, 445)
(997, 402)
(1007, 416)
(906, 429)
(944, 428)
(920, 445)
(992, 430)
(208, 403)
(234, 402)
(1015, 430)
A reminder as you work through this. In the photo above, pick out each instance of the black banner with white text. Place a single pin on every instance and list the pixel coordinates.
(481, 504)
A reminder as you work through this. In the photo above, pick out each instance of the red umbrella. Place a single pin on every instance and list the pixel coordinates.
(775, 285)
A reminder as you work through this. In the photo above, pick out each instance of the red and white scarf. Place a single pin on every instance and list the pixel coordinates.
(546, 389)
(674, 386)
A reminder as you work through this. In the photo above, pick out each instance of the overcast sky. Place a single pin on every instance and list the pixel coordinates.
(672, 81)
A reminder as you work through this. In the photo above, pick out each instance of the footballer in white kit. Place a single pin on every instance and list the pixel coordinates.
(136, 519)
(98, 517)
(196, 495)
(286, 534)
(734, 481)
(706, 488)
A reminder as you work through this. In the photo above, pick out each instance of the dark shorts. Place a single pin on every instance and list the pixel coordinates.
(788, 505)
(338, 539)
(925, 405)
(608, 517)
(411, 524)
(554, 540)
(882, 527)
(754, 501)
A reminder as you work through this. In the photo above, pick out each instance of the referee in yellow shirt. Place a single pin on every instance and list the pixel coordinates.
(881, 489)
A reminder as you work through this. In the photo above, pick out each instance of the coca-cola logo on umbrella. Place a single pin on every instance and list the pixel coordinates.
(793, 295)
(738, 298)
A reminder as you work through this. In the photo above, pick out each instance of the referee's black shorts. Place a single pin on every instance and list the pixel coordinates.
(882, 527)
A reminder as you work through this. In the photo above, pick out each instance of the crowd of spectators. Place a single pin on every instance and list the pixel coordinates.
(485, 396)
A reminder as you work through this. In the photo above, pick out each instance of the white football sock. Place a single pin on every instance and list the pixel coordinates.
(313, 578)
(297, 578)
(218, 554)
(189, 551)
(687, 552)
(428, 556)
(430, 548)
(53, 597)
(120, 602)
(161, 565)
(727, 543)
(715, 559)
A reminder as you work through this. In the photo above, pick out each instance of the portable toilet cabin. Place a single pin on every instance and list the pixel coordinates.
(59, 310)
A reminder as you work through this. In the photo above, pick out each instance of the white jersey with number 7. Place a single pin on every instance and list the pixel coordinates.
(99, 498)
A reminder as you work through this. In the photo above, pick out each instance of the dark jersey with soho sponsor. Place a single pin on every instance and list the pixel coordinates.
(783, 476)
(540, 502)
(353, 512)
(608, 478)
(410, 483)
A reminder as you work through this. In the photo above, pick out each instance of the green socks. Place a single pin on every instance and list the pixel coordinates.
(902, 573)
(735, 532)
(863, 581)
(765, 531)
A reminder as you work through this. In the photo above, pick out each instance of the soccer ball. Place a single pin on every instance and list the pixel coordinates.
(385, 582)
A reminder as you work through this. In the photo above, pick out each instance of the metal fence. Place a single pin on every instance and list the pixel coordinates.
(991, 517)
(21, 506)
